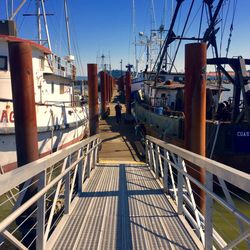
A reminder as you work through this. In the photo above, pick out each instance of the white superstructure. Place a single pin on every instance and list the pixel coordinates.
(61, 118)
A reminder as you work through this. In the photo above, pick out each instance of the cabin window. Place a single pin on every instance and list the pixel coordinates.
(52, 87)
(3, 63)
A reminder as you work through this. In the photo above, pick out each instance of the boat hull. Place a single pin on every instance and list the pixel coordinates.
(226, 142)
(48, 142)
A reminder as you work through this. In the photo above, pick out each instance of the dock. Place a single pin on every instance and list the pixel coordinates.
(114, 198)
(122, 206)
(119, 142)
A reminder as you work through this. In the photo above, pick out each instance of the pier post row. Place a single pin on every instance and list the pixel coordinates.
(93, 99)
(195, 108)
(22, 84)
(103, 92)
(128, 92)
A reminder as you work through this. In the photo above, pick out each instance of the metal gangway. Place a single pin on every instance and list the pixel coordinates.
(72, 201)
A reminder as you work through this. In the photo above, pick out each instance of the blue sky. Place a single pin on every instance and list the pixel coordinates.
(106, 27)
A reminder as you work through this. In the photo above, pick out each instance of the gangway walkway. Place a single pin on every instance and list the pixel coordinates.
(123, 207)
(101, 193)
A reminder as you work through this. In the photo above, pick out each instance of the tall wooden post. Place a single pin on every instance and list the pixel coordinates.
(93, 99)
(24, 102)
(20, 54)
(107, 87)
(103, 93)
(110, 88)
(128, 93)
(195, 109)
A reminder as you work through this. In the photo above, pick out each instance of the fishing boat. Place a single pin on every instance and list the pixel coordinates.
(159, 104)
(61, 118)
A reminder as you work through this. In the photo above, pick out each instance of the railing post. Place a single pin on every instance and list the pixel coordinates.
(67, 190)
(41, 209)
(157, 162)
(208, 212)
(165, 172)
(89, 159)
(147, 151)
(150, 156)
(80, 172)
(180, 187)
(92, 156)
(153, 157)
(96, 152)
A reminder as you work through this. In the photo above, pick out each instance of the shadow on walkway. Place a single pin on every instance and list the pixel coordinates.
(119, 138)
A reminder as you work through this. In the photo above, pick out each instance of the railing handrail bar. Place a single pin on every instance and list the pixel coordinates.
(229, 174)
(217, 198)
(9, 219)
(26, 172)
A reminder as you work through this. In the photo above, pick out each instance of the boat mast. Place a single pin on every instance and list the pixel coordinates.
(134, 32)
(46, 25)
(67, 26)
(17, 9)
(39, 29)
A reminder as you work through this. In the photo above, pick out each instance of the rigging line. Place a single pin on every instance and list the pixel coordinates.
(194, 17)
(224, 26)
(183, 31)
(169, 37)
(23, 18)
(76, 44)
(202, 13)
(163, 20)
(78, 60)
(231, 27)
(153, 15)
(206, 11)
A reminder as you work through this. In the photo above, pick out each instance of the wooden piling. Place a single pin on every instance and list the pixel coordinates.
(23, 96)
(107, 87)
(103, 93)
(22, 83)
(93, 99)
(128, 93)
(195, 110)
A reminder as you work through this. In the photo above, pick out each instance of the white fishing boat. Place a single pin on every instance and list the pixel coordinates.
(61, 119)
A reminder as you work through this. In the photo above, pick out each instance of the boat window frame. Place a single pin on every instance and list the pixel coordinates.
(5, 67)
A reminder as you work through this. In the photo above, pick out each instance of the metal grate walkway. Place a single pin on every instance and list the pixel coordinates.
(123, 207)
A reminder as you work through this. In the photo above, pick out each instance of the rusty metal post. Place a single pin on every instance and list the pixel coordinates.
(93, 99)
(103, 93)
(24, 102)
(195, 109)
(128, 93)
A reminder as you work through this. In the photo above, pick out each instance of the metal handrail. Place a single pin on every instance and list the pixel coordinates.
(25, 173)
(229, 174)
(160, 163)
